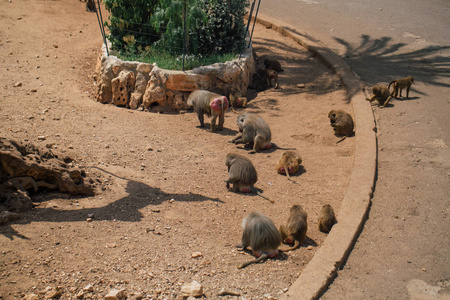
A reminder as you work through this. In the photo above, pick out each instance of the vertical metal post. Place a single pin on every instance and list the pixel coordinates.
(100, 22)
(256, 15)
(246, 28)
(184, 31)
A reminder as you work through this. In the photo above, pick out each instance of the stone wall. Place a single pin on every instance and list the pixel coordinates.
(137, 85)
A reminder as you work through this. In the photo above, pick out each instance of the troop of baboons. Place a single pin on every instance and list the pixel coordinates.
(259, 231)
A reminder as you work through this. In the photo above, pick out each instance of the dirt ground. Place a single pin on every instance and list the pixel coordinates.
(165, 198)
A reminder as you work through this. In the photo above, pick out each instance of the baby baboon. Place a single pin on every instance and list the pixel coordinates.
(273, 64)
(242, 174)
(289, 163)
(261, 235)
(237, 102)
(268, 75)
(341, 122)
(401, 84)
(381, 94)
(205, 102)
(296, 227)
(326, 218)
(254, 132)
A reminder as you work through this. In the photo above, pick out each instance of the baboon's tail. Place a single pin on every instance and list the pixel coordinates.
(254, 261)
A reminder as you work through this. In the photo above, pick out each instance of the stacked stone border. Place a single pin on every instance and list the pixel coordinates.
(331, 256)
(145, 86)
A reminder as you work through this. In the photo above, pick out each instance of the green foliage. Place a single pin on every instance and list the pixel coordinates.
(168, 61)
(155, 28)
(168, 20)
(224, 31)
(129, 26)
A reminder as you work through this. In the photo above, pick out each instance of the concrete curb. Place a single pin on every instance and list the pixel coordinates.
(322, 269)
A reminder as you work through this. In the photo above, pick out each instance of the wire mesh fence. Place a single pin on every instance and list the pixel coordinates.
(136, 40)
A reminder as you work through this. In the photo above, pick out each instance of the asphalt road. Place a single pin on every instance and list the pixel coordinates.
(403, 251)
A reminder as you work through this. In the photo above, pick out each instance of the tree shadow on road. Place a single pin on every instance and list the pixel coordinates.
(380, 61)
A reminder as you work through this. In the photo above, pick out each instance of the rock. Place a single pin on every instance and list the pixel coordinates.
(6, 217)
(116, 294)
(301, 85)
(31, 297)
(196, 254)
(122, 87)
(17, 84)
(53, 293)
(41, 138)
(194, 289)
(224, 292)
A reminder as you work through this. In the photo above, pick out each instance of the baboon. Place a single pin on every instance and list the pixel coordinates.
(261, 235)
(90, 5)
(268, 75)
(254, 132)
(242, 174)
(341, 122)
(273, 64)
(381, 94)
(326, 218)
(289, 163)
(295, 230)
(237, 102)
(205, 102)
(401, 84)
(258, 83)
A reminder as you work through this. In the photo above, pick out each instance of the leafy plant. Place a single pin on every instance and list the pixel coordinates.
(129, 25)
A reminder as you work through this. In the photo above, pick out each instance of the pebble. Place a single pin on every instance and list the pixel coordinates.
(115, 294)
(301, 85)
(41, 138)
(196, 254)
(194, 289)
(309, 247)
(17, 84)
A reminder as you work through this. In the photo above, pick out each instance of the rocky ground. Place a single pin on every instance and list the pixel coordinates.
(163, 216)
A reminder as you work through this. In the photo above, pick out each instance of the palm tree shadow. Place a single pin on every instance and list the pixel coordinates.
(125, 209)
(380, 61)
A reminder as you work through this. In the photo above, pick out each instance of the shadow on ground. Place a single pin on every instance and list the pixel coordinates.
(381, 61)
(125, 209)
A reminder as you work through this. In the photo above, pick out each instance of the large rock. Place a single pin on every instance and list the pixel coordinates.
(122, 87)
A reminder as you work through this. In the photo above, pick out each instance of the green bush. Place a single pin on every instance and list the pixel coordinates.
(213, 27)
(129, 24)
(224, 31)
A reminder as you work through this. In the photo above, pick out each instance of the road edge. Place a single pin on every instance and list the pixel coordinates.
(332, 254)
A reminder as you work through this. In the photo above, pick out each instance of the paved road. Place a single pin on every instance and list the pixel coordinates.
(404, 249)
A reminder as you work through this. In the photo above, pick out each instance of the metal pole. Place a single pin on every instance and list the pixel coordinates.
(184, 30)
(256, 15)
(100, 22)
(246, 28)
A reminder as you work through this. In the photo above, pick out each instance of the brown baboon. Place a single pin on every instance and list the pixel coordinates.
(268, 75)
(242, 174)
(258, 83)
(205, 102)
(341, 122)
(296, 227)
(254, 132)
(261, 235)
(401, 84)
(326, 218)
(237, 102)
(381, 94)
(273, 64)
(90, 5)
(289, 163)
